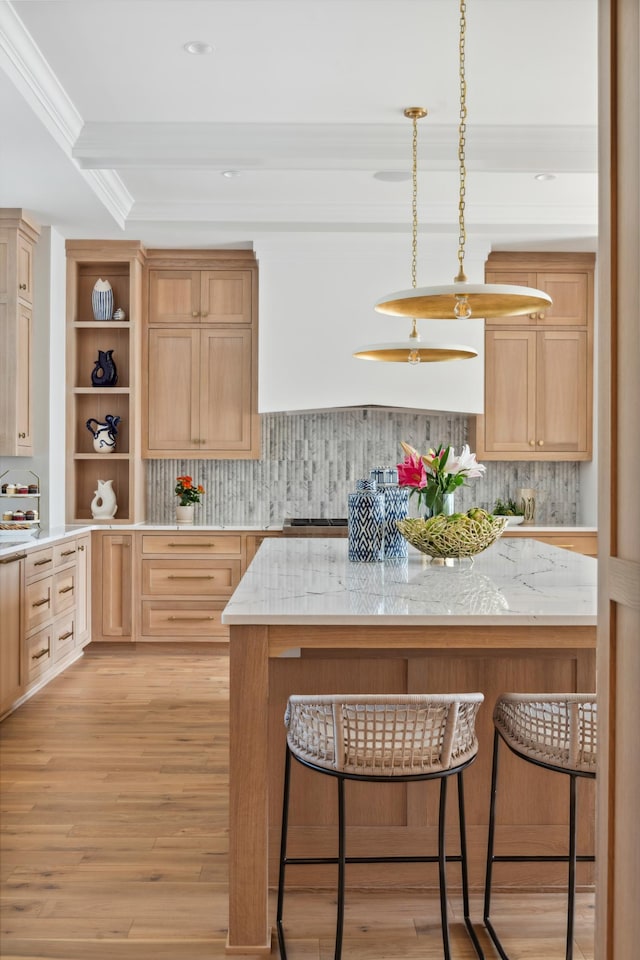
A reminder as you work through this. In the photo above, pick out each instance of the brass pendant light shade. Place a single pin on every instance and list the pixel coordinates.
(462, 300)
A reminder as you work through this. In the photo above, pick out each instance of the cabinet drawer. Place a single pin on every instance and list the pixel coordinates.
(64, 553)
(38, 653)
(190, 578)
(177, 544)
(181, 620)
(64, 591)
(64, 637)
(38, 603)
(40, 561)
(580, 544)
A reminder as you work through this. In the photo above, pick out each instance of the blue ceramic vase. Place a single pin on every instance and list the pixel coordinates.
(366, 523)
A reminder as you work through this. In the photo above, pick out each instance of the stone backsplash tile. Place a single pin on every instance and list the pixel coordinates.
(311, 461)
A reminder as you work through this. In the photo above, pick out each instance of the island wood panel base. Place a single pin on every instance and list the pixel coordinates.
(392, 816)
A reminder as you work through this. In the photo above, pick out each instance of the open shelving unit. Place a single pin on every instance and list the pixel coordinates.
(119, 262)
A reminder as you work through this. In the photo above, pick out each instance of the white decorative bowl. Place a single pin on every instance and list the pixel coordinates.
(512, 521)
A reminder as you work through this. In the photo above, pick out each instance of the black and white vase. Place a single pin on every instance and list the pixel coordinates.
(102, 300)
(366, 523)
(396, 507)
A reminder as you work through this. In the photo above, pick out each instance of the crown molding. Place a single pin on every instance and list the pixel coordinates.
(24, 64)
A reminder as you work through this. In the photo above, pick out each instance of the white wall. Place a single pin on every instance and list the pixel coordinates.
(316, 307)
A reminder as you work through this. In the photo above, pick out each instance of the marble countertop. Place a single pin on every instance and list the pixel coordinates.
(516, 581)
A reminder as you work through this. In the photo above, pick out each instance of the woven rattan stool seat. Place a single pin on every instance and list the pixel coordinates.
(383, 735)
(558, 730)
(377, 738)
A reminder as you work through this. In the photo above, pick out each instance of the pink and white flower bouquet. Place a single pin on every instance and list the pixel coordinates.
(439, 472)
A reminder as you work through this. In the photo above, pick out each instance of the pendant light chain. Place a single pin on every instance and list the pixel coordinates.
(462, 130)
(414, 205)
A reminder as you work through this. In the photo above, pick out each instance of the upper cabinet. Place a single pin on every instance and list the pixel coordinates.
(539, 368)
(200, 348)
(18, 236)
(96, 342)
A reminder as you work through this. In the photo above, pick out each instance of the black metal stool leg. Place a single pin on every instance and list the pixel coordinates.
(572, 865)
(341, 870)
(283, 854)
(490, 848)
(442, 876)
(463, 866)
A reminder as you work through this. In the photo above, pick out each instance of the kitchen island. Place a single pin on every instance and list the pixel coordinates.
(521, 617)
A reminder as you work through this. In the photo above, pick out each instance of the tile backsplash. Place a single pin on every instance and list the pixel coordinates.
(311, 460)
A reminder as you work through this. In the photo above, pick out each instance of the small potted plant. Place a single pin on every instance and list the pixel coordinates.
(189, 493)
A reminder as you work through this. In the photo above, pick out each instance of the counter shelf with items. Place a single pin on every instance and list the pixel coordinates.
(14, 520)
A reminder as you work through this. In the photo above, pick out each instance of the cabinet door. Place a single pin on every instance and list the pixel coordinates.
(112, 576)
(24, 384)
(173, 418)
(174, 296)
(25, 270)
(226, 296)
(510, 390)
(10, 640)
(522, 278)
(563, 411)
(83, 588)
(569, 293)
(225, 391)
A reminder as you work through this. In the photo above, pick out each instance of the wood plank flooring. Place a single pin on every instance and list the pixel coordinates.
(113, 785)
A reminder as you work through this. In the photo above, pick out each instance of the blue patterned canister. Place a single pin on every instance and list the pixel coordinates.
(102, 300)
(366, 523)
(396, 507)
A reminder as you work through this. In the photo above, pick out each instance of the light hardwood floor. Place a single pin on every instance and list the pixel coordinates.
(114, 832)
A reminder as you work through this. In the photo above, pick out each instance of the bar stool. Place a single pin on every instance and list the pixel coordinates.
(558, 732)
(379, 739)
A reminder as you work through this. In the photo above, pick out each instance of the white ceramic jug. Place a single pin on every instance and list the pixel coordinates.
(103, 505)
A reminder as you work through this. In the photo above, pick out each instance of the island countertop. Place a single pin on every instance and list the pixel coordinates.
(514, 582)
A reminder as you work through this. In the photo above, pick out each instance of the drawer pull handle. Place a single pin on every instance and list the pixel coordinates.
(65, 636)
(190, 619)
(81, 547)
(67, 553)
(199, 576)
(40, 603)
(39, 563)
(18, 556)
(43, 653)
(65, 589)
(569, 545)
(190, 546)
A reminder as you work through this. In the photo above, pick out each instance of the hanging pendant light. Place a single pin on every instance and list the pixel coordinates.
(462, 299)
(413, 350)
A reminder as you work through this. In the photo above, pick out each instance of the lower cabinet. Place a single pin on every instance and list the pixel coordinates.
(44, 604)
(11, 579)
(186, 580)
(112, 593)
(580, 541)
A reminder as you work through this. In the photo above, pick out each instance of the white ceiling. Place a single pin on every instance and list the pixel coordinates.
(109, 129)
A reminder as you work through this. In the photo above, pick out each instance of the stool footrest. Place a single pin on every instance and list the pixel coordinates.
(583, 858)
(334, 860)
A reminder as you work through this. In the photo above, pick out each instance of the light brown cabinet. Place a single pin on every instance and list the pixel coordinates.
(112, 593)
(18, 236)
(580, 541)
(186, 580)
(119, 262)
(200, 356)
(539, 368)
(11, 572)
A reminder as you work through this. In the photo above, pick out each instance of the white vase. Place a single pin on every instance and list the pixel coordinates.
(103, 505)
(184, 514)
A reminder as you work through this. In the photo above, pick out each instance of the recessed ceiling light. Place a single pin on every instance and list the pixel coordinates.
(545, 176)
(229, 174)
(198, 46)
(393, 176)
